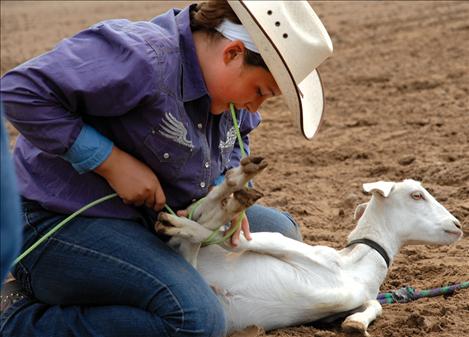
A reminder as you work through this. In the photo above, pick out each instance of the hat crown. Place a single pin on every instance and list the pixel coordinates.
(293, 43)
(296, 32)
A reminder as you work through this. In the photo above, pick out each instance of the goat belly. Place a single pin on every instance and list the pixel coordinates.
(255, 289)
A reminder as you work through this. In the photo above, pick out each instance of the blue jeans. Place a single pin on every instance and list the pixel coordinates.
(111, 277)
(10, 215)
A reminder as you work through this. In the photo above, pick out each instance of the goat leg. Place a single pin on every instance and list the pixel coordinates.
(359, 321)
(246, 198)
(277, 245)
(238, 177)
(185, 228)
(221, 212)
(235, 180)
(181, 227)
(186, 235)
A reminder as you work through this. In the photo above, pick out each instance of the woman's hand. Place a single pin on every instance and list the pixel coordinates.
(234, 239)
(132, 180)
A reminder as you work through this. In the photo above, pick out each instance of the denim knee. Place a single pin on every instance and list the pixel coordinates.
(267, 219)
(215, 323)
(138, 282)
(293, 228)
(207, 318)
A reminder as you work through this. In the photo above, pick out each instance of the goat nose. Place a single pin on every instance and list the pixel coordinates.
(457, 224)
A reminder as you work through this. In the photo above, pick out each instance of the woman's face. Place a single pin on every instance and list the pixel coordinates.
(233, 81)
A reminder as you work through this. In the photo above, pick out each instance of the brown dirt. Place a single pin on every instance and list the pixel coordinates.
(397, 107)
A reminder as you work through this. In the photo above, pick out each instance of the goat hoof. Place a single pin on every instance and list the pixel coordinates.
(253, 160)
(250, 168)
(262, 163)
(247, 197)
(256, 160)
(160, 228)
(163, 216)
(355, 326)
(163, 223)
(253, 165)
(245, 161)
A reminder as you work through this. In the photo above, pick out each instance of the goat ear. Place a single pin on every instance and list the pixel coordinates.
(382, 187)
(359, 211)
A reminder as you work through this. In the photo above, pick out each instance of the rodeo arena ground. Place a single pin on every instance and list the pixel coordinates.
(396, 107)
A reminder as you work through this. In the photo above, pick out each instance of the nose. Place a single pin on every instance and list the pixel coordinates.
(457, 223)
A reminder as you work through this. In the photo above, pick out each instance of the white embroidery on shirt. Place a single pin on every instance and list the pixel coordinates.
(230, 139)
(173, 129)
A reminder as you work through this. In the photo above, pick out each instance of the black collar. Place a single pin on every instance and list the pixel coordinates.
(373, 245)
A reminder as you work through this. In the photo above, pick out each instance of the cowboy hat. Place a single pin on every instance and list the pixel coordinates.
(293, 43)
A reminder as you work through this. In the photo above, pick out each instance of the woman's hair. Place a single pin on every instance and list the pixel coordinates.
(207, 15)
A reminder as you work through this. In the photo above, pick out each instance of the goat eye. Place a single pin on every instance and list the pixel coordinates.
(417, 196)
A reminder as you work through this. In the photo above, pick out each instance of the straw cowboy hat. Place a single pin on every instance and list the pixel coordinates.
(293, 43)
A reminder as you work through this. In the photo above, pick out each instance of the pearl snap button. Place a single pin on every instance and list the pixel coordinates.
(166, 155)
(202, 184)
(207, 165)
(199, 125)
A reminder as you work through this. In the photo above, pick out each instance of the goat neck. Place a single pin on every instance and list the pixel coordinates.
(377, 225)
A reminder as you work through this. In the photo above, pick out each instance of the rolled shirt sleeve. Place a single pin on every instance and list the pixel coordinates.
(89, 150)
(104, 71)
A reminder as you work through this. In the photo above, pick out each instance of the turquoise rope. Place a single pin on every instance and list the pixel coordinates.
(407, 294)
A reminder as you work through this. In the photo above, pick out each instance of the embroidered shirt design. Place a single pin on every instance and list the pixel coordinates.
(173, 129)
(230, 139)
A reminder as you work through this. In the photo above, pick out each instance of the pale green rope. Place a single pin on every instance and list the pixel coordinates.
(61, 224)
(67, 219)
(169, 209)
(211, 239)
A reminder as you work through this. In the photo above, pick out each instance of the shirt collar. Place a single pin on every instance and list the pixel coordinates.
(193, 84)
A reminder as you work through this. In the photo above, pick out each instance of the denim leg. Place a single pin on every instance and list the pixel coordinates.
(266, 219)
(108, 277)
(10, 219)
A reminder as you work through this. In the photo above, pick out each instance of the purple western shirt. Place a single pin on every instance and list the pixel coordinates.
(137, 85)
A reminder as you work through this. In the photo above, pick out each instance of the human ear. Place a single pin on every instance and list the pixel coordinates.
(233, 50)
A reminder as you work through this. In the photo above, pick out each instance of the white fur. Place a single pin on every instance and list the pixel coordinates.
(216, 209)
(273, 281)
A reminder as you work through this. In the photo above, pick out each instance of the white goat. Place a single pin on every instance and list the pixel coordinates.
(273, 281)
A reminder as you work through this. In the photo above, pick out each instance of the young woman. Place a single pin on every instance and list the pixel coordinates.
(136, 108)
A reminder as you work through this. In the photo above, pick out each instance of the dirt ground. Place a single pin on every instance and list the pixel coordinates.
(396, 107)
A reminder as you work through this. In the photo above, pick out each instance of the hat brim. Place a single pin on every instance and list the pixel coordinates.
(304, 100)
